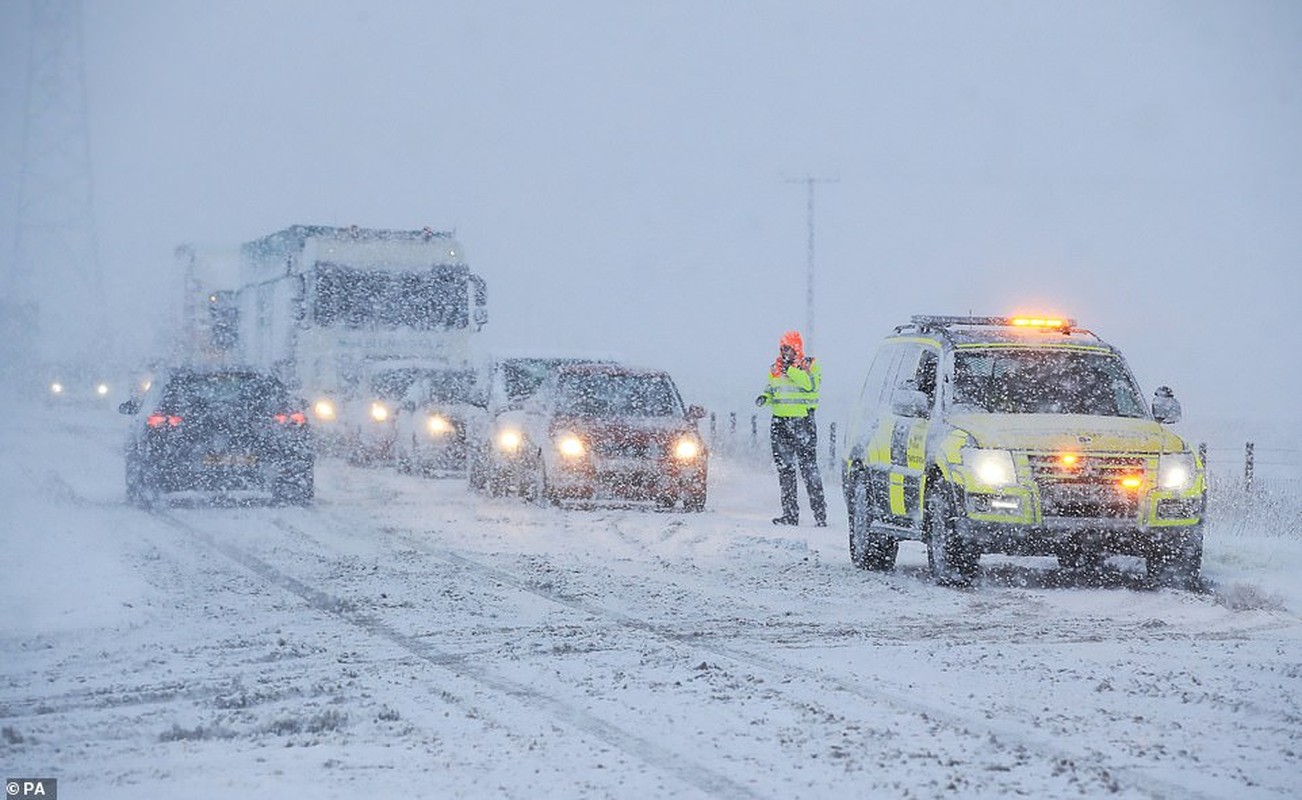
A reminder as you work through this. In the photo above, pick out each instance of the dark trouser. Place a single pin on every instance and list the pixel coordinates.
(795, 444)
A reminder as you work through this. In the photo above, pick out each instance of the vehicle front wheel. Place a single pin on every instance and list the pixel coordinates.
(868, 550)
(953, 561)
(1177, 562)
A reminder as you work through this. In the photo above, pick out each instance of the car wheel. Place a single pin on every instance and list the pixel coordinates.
(295, 485)
(1177, 562)
(694, 501)
(475, 473)
(142, 487)
(953, 562)
(868, 549)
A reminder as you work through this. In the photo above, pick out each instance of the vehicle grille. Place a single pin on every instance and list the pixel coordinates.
(625, 449)
(1091, 488)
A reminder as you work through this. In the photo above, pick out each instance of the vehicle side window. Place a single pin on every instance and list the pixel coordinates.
(883, 378)
(925, 376)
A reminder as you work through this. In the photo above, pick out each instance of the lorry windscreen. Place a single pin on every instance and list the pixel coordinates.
(434, 299)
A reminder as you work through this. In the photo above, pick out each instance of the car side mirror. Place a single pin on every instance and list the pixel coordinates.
(1165, 407)
(129, 407)
(695, 413)
(910, 403)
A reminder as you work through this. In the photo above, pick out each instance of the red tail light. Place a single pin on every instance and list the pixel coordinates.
(292, 418)
(158, 420)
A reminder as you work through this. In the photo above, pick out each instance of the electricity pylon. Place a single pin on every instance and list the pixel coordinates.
(56, 291)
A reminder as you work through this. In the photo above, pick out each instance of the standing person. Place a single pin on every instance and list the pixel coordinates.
(792, 393)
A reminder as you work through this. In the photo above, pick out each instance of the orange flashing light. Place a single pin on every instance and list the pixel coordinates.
(1069, 459)
(1039, 322)
(1131, 482)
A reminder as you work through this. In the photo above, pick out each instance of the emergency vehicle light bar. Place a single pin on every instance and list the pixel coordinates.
(940, 321)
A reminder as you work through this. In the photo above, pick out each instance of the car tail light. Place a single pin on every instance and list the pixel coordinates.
(160, 420)
(292, 418)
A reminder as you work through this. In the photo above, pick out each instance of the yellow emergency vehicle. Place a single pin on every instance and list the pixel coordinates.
(1016, 435)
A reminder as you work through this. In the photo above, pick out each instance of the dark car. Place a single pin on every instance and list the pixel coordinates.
(218, 431)
(604, 432)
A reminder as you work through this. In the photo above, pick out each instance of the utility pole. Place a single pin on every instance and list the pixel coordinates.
(810, 182)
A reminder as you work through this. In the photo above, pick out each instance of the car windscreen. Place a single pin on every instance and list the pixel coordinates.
(391, 384)
(522, 378)
(618, 395)
(1044, 381)
(250, 394)
(451, 387)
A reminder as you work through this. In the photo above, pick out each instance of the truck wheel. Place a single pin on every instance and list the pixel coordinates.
(1177, 562)
(953, 562)
(868, 550)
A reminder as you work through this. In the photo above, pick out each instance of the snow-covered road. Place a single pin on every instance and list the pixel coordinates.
(405, 638)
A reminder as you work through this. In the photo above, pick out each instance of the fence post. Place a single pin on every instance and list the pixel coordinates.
(714, 433)
(732, 427)
(1247, 467)
(831, 444)
(754, 431)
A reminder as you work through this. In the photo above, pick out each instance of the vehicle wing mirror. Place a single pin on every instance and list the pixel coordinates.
(906, 402)
(1165, 407)
(129, 407)
(695, 413)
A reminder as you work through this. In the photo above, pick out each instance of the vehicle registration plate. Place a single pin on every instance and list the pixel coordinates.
(230, 459)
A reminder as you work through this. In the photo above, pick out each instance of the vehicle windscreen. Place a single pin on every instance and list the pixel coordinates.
(452, 387)
(1044, 381)
(616, 395)
(391, 384)
(249, 394)
(522, 378)
(356, 298)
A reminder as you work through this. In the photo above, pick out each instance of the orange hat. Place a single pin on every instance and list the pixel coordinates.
(792, 339)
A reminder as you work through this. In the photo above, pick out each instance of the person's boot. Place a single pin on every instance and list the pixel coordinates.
(786, 521)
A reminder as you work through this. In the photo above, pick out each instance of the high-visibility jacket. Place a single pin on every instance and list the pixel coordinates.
(794, 393)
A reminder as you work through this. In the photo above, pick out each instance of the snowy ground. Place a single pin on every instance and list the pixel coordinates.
(403, 638)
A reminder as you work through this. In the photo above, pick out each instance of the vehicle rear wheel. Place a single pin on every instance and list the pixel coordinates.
(868, 550)
(295, 485)
(953, 562)
(694, 501)
(1177, 562)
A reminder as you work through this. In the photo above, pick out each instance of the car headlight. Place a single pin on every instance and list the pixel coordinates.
(570, 446)
(991, 468)
(509, 440)
(56, 388)
(379, 412)
(101, 389)
(1175, 471)
(438, 425)
(687, 448)
(324, 409)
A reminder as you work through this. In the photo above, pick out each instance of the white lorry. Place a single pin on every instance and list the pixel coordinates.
(324, 308)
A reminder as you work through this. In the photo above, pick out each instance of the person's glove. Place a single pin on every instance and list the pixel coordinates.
(761, 399)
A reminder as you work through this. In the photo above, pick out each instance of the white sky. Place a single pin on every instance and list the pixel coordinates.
(617, 171)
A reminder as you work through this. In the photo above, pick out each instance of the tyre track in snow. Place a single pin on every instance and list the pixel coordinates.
(672, 764)
(976, 728)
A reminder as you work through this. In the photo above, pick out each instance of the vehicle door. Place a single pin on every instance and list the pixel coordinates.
(899, 444)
